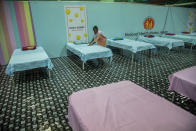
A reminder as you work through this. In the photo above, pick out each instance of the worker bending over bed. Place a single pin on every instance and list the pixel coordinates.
(98, 37)
(101, 41)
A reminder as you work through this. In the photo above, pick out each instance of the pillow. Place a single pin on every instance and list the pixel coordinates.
(186, 32)
(169, 34)
(79, 42)
(29, 47)
(149, 36)
(118, 38)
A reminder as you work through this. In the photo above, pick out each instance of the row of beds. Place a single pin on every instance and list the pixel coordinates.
(122, 106)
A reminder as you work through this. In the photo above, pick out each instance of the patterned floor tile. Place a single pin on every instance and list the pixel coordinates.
(32, 101)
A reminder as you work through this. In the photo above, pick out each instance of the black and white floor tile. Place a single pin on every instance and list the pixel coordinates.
(32, 101)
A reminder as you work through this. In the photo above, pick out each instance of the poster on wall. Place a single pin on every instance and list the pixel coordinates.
(76, 23)
(191, 21)
(149, 23)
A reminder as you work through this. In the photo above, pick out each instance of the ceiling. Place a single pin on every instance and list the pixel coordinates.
(178, 3)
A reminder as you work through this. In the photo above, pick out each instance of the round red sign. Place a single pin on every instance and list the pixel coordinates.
(149, 23)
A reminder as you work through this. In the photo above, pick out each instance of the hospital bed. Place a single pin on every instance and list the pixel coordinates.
(184, 83)
(160, 41)
(125, 106)
(28, 59)
(130, 45)
(185, 38)
(86, 52)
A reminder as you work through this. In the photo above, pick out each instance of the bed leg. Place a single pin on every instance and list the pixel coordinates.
(191, 46)
(110, 59)
(173, 97)
(182, 49)
(149, 53)
(82, 65)
(49, 74)
(132, 57)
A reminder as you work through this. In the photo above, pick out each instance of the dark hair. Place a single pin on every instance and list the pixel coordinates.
(95, 27)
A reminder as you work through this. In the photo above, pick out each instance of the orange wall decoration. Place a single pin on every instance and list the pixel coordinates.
(149, 23)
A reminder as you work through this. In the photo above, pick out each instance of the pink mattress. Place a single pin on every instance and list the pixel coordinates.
(125, 106)
(184, 82)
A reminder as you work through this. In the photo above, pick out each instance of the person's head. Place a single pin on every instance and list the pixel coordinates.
(95, 29)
